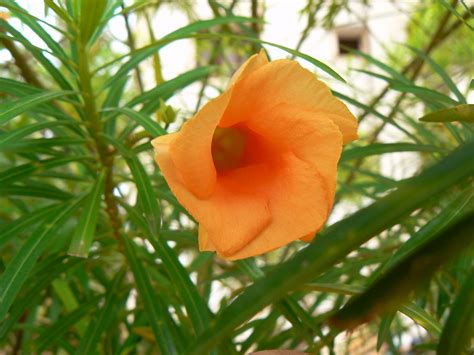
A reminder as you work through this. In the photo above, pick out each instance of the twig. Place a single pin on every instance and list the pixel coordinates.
(310, 23)
(132, 46)
(415, 66)
(21, 62)
(255, 25)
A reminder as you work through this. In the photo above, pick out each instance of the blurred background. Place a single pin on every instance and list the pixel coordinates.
(400, 59)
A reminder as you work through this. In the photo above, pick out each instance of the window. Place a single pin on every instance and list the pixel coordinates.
(351, 38)
(346, 43)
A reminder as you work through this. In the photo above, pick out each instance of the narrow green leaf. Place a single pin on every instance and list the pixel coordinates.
(24, 260)
(59, 11)
(443, 75)
(385, 78)
(289, 307)
(436, 225)
(39, 56)
(393, 287)
(16, 227)
(43, 191)
(84, 233)
(384, 330)
(91, 13)
(336, 288)
(411, 310)
(16, 134)
(18, 88)
(151, 98)
(9, 110)
(115, 93)
(15, 9)
(458, 113)
(451, 7)
(104, 317)
(262, 331)
(374, 112)
(72, 7)
(146, 194)
(421, 317)
(62, 325)
(66, 295)
(386, 68)
(427, 95)
(143, 120)
(206, 24)
(40, 145)
(108, 13)
(182, 237)
(195, 306)
(317, 63)
(36, 27)
(386, 148)
(19, 172)
(141, 54)
(458, 332)
(112, 101)
(46, 271)
(339, 240)
(159, 318)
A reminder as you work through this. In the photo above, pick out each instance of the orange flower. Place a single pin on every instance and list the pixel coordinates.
(257, 165)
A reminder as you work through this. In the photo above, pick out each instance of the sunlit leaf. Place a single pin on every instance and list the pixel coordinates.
(12, 109)
(458, 113)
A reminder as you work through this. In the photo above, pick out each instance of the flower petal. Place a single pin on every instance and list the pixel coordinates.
(298, 205)
(191, 150)
(286, 81)
(253, 63)
(310, 236)
(311, 136)
(230, 221)
(205, 243)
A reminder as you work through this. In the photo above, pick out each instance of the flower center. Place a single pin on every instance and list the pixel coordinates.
(228, 147)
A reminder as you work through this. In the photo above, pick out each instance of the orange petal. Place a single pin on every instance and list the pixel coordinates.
(311, 136)
(191, 150)
(310, 236)
(249, 179)
(298, 205)
(230, 221)
(205, 243)
(285, 81)
(253, 63)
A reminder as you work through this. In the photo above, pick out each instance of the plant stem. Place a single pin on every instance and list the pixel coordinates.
(95, 127)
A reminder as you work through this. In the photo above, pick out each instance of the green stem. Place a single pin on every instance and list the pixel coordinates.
(95, 127)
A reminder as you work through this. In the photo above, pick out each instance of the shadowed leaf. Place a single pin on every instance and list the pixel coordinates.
(396, 285)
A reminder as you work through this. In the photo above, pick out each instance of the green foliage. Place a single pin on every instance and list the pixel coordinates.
(457, 113)
(98, 256)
